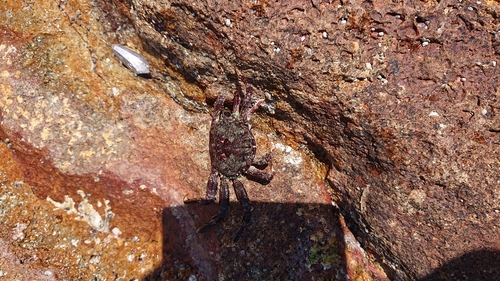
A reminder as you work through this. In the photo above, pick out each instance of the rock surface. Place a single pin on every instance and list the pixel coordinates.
(398, 99)
(95, 164)
(393, 105)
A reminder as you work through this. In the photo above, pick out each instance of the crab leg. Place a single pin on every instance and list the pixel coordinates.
(263, 161)
(242, 196)
(212, 186)
(218, 107)
(261, 176)
(246, 110)
(247, 99)
(236, 103)
(211, 190)
(252, 110)
(223, 206)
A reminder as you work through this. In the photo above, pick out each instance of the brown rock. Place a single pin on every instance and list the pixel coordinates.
(398, 99)
(95, 163)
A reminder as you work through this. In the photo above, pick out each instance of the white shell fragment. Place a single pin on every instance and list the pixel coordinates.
(135, 62)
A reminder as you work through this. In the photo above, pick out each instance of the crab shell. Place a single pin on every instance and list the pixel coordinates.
(232, 146)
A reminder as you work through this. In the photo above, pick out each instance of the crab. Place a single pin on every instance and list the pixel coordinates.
(232, 155)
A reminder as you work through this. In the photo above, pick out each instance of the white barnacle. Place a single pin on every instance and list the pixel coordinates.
(135, 62)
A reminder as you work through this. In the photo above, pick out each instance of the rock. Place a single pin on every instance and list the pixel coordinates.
(95, 164)
(398, 100)
(393, 105)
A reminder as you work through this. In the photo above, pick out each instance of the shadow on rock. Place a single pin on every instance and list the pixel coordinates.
(473, 266)
(283, 242)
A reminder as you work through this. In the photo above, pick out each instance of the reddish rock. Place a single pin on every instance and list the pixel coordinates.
(392, 104)
(95, 163)
(399, 101)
